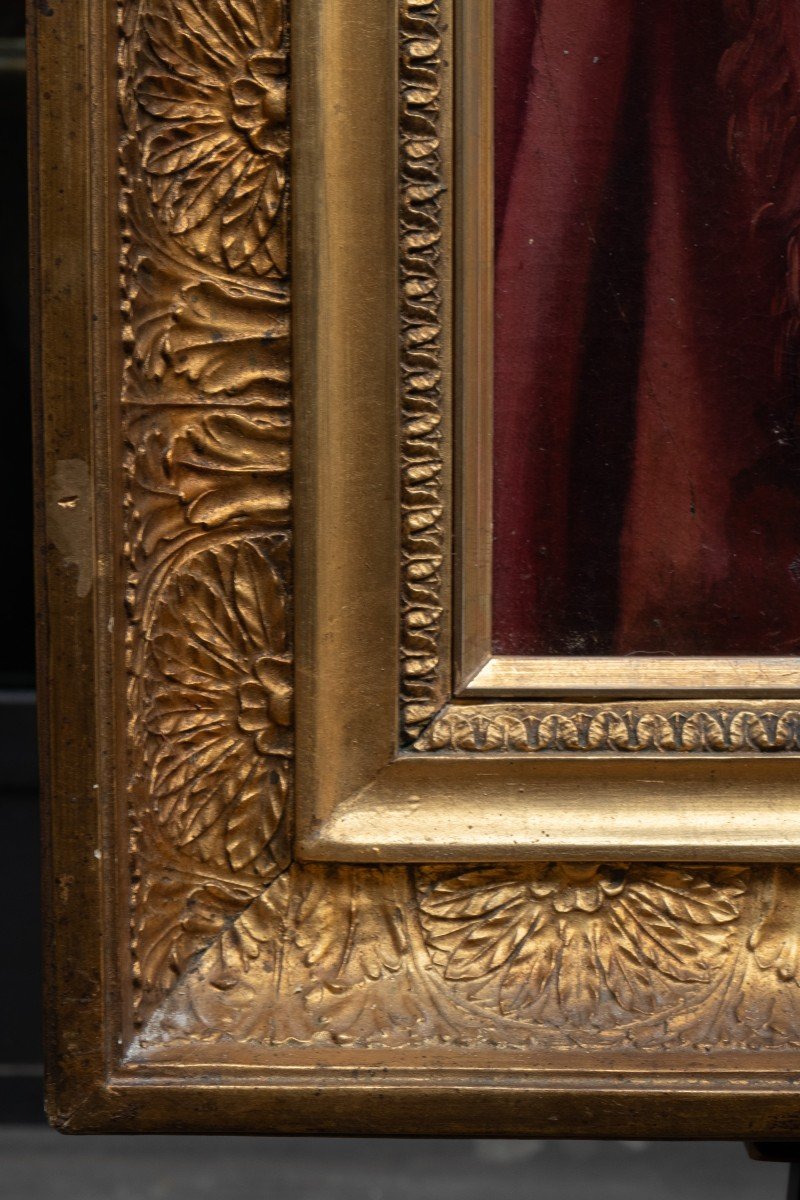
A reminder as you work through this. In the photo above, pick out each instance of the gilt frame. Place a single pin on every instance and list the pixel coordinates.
(207, 970)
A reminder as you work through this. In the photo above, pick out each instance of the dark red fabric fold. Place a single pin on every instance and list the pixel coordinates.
(647, 493)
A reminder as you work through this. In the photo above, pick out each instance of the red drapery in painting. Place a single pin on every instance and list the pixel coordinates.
(647, 490)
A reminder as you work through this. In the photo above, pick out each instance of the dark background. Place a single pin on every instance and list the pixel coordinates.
(36, 1162)
(20, 1011)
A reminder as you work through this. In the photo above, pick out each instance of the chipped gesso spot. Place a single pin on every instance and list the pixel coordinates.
(69, 519)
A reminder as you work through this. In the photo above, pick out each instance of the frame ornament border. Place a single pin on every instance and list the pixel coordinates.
(424, 677)
(206, 424)
(431, 718)
(602, 729)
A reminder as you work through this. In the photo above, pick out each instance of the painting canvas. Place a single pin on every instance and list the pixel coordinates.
(647, 327)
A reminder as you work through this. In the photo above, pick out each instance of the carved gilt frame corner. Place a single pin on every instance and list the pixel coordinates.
(205, 972)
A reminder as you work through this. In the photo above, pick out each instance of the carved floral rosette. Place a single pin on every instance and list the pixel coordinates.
(230, 938)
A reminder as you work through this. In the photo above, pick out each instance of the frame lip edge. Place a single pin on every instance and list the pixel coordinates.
(73, 1076)
(305, 1107)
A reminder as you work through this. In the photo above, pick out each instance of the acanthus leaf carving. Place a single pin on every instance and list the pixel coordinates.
(229, 340)
(212, 730)
(178, 909)
(205, 338)
(204, 473)
(209, 86)
(631, 957)
(579, 943)
(216, 705)
(328, 956)
(203, 95)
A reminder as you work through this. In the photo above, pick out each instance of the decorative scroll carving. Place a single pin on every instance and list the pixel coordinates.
(421, 363)
(523, 729)
(593, 957)
(231, 940)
